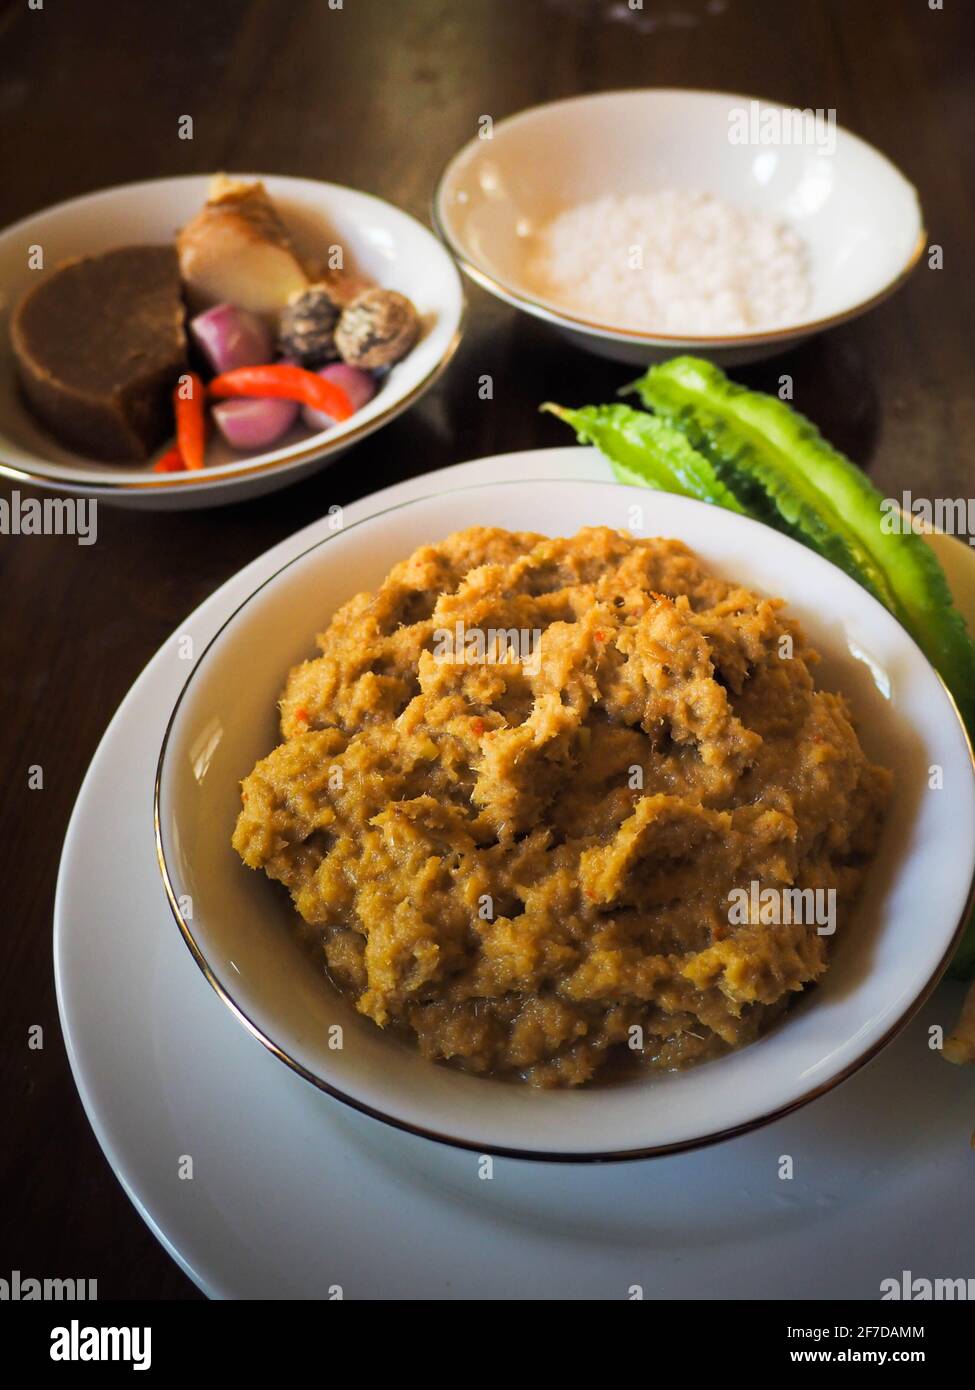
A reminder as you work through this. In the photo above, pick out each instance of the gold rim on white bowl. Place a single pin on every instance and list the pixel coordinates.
(223, 476)
(486, 1145)
(559, 317)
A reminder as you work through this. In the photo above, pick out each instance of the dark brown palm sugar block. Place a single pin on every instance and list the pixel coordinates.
(99, 346)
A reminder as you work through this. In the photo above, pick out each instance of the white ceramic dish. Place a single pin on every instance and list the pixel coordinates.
(859, 217)
(883, 967)
(378, 239)
(162, 1070)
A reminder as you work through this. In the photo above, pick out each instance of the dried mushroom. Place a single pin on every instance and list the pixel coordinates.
(306, 328)
(376, 329)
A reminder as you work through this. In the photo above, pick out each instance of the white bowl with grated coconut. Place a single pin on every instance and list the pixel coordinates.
(644, 223)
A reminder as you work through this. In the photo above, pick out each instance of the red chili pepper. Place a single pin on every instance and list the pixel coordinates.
(170, 462)
(189, 403)
(478, 726)
(284, 382)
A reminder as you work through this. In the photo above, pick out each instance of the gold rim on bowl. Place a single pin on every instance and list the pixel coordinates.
(475, 1146)
(564, 318)
(187, 481)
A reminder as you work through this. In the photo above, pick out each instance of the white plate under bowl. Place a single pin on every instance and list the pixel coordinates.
(163, 1070)
(377, 239)
(883, 967)
(858, 216)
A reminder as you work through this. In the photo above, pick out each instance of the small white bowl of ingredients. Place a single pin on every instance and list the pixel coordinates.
(641, 223)
(192, 341)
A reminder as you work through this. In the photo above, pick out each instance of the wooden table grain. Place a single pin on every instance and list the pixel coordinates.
(378, 94)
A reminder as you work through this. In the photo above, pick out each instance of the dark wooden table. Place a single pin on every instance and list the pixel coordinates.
(378, 95)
